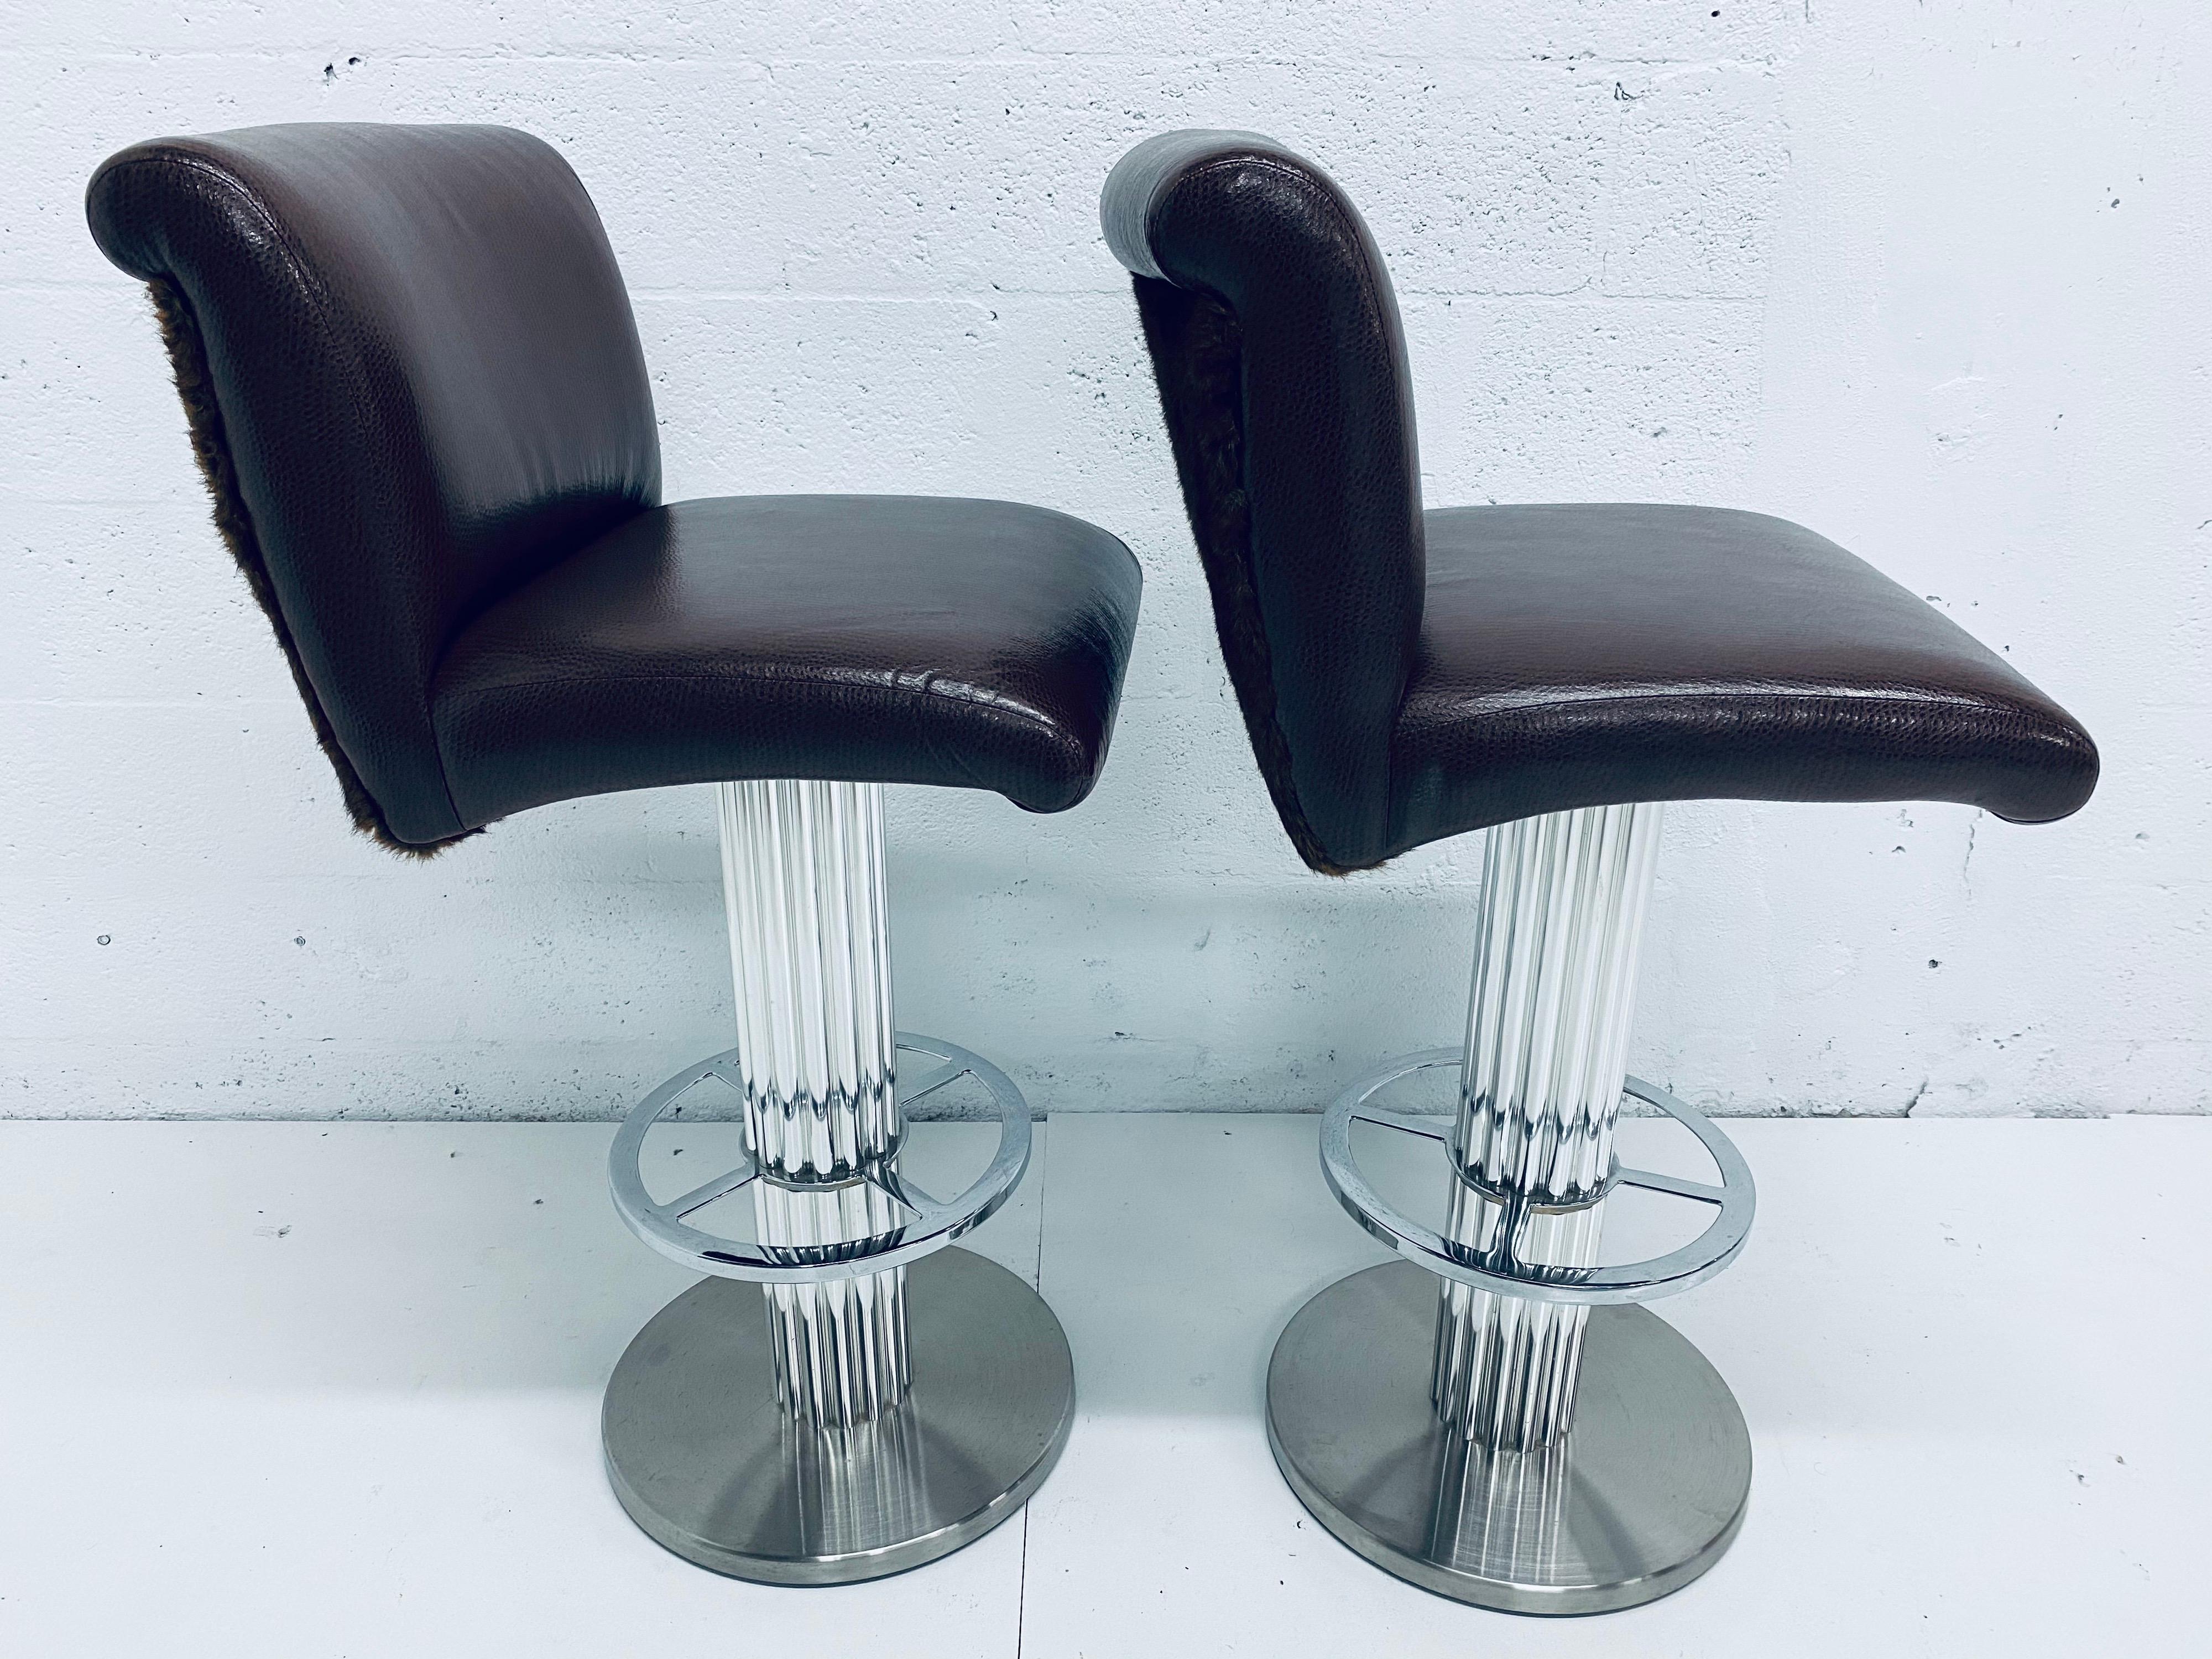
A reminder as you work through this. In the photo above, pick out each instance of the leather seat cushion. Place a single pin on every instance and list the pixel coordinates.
(891, 639)
(1573, 656)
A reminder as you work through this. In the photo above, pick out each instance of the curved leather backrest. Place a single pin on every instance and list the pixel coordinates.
(1275, 338)
(414, 381)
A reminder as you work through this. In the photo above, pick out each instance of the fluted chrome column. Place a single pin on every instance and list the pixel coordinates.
(809, 947)
(1564, 898)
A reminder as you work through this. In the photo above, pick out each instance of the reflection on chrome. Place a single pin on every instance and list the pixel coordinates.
(1564, 898)
(860, 1486)
(1501, 1516)
(810, 948)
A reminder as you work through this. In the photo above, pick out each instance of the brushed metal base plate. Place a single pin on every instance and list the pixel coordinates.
(1646, 1494)
(703, 1458)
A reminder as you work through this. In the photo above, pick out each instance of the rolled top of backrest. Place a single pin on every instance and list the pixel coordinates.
(414, 381)
(1281, 364)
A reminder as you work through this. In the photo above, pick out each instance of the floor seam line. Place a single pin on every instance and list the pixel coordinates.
(1021, 1588)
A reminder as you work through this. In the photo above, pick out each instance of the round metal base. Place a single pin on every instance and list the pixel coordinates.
(1646, 1493)
(704, 1459)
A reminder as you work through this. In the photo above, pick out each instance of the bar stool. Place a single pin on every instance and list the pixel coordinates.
(416, 390)
(1494, 1416)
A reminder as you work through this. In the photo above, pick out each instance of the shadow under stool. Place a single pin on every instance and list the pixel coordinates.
(1495, 1417)
(416, 391)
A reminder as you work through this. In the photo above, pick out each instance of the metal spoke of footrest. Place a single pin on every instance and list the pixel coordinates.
(706, 1192)
(931, 1226)
(1642, 1281)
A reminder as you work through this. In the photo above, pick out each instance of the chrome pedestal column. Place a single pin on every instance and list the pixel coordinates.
(838, 1402)
(1520, 1437)
(810, 948)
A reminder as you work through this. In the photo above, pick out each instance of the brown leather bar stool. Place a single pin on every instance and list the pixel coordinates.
(416, 389)
(1494, 1417)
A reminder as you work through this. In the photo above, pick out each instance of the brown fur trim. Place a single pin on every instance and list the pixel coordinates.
(181, 334)
(1198, 354)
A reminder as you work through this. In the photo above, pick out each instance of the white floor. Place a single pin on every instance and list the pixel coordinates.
(300, 1389)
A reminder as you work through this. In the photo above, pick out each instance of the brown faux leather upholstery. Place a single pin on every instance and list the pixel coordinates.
(903, 639)
(1406, 676)
(1282, 371)
(417, 389)
(1572, 656)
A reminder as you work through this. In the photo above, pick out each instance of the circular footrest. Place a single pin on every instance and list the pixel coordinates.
(930, 1223)
(1498, 1270)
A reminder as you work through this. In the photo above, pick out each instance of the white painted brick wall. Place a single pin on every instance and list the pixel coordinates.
(1929, 277)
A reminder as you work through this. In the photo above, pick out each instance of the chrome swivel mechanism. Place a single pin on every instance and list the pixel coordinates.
(1492, 1417)
(843, 1397)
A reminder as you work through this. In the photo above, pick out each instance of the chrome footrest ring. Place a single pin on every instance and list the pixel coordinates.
(1643, 1281)
(931, 1224)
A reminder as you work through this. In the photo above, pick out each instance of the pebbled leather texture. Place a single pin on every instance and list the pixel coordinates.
(1573, 656)
(424, 385)
(1282, 371)
(416, 391)
(1532, 659)
(899, 639)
